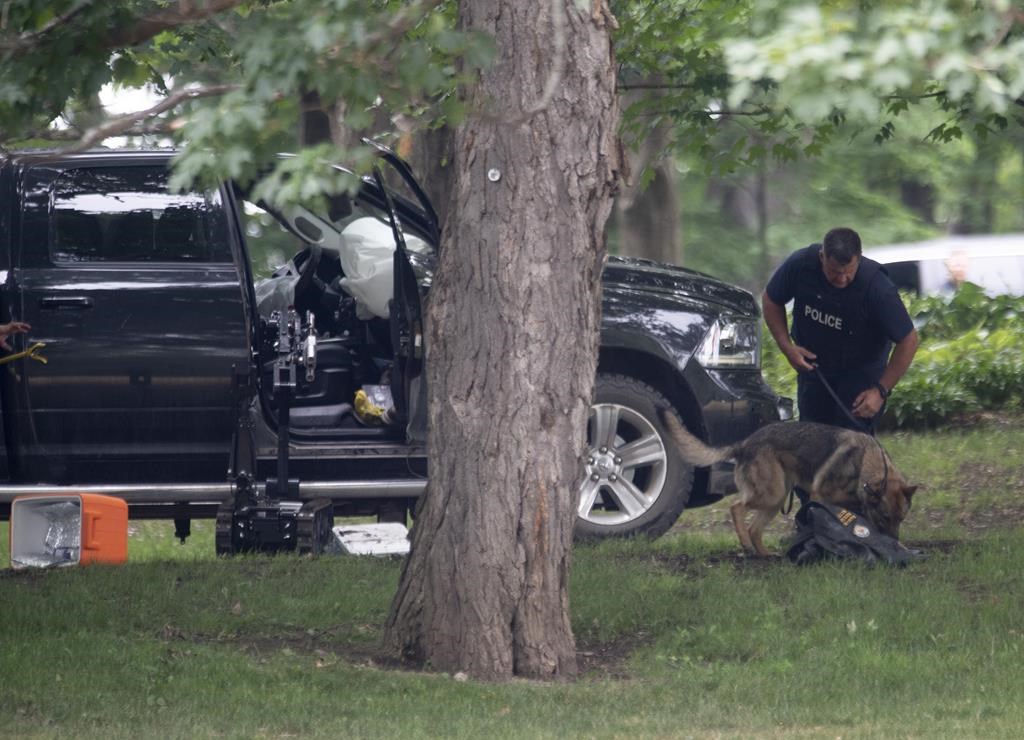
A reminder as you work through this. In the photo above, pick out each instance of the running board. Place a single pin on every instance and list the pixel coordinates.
(216, 492)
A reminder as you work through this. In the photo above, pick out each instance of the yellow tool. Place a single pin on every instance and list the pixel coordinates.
(31, 353)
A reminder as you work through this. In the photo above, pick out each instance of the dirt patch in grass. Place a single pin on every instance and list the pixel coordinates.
(698, 566)
(934, 546)
(995, 517)
(325, 646)
(991, 496)
(328, 647)
(609, 658)
(975, 477)
(997, 419)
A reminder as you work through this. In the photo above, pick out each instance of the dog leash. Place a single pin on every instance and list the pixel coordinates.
(860, 424)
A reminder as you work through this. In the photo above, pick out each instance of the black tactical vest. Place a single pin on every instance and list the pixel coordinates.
(833, 323)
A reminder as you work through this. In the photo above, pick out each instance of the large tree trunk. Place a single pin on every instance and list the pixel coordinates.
(647, 218)
(512, 340)
(316, 123)
(977, 208)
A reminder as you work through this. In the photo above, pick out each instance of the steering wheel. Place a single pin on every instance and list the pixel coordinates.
(306, 274)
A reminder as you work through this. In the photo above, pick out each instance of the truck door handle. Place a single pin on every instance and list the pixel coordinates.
(70, 303)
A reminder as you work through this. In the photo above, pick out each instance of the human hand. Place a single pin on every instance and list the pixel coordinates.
(868, 403)
(15, 327)
(799, 358)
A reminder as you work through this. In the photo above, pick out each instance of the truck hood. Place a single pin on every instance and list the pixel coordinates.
(632, 275)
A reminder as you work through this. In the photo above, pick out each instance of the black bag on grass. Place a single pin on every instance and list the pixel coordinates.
(825, 531)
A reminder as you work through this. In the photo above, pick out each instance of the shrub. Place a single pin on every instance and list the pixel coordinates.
(939, 317)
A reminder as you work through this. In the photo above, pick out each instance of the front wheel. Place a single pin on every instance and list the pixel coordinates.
(635, 481)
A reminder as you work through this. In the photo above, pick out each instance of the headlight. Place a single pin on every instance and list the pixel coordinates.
(731, 342)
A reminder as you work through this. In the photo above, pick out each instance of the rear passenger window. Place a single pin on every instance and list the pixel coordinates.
(126, 214)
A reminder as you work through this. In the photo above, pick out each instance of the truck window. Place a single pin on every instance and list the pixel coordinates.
(127, 214)
(269, 244)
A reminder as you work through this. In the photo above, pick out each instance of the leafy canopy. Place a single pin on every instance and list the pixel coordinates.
(238, 72)
(742, 81)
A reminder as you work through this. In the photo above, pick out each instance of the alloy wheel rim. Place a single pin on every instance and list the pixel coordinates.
(625, 466)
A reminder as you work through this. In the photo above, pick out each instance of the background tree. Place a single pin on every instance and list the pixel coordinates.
(881, 114)
(645, 221)
(512, 347)
(671, 72)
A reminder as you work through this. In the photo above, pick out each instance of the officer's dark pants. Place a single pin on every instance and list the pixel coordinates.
(816, 403)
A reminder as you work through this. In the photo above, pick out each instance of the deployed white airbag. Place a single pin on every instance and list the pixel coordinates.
(366, 248)
(367, 259)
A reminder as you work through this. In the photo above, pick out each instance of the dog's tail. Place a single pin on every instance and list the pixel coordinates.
(692, 449)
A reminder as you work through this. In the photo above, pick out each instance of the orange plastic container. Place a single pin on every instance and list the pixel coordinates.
(71, 529)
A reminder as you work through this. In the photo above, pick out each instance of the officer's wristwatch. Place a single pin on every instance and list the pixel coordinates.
(883, 391)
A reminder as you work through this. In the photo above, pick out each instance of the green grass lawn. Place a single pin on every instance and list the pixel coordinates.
(678, 637)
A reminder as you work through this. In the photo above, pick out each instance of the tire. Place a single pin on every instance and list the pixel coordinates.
(635, 481)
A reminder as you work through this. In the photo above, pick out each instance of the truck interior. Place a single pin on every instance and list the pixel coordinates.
(337, 267)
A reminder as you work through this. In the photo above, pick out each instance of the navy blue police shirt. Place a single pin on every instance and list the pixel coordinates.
(849, 329)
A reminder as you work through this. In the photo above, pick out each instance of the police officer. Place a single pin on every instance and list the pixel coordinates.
(847, 316)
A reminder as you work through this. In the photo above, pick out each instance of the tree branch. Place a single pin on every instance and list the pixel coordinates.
(915, 98)
(1009, 19)
(401, 22)
(124, 124)
(145, 27)
(656, 86)
(182, 14)
(74, 134)
(28, 39)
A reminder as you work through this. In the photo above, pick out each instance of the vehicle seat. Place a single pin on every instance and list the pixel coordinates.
(328, 399)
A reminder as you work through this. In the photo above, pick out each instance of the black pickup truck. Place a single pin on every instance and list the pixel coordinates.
(179, 379)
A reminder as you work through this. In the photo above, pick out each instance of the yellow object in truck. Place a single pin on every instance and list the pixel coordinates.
(367, 411)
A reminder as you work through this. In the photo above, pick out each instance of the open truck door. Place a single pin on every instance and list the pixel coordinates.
(408, 380)
(370, 269)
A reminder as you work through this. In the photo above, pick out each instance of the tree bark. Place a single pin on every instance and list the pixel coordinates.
(512, 333)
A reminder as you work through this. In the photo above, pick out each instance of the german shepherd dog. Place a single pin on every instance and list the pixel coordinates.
(835, 465)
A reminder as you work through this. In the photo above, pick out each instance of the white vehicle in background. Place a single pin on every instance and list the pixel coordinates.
(937, 266)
